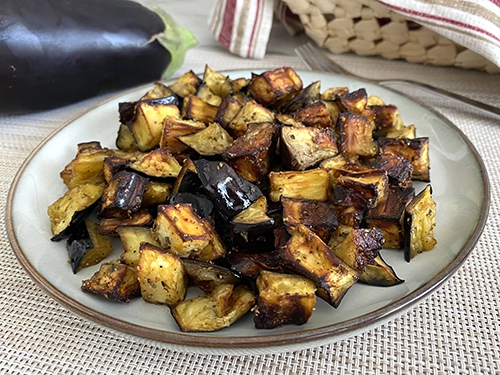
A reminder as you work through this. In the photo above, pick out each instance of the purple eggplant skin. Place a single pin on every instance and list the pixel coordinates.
(57, 52)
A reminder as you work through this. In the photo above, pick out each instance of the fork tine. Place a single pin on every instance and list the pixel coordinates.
(315, 59)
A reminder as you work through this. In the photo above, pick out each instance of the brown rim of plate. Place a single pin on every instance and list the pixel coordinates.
(189, 339)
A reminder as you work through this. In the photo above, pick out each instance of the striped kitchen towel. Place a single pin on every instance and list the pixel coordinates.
(243, 26)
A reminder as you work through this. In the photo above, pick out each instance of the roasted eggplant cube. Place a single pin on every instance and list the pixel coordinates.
(273, 87)
(386, 119)
(159, 91)
(252, 228)
(155, 193)
(122, 197)
(161, 276)
(304, 148)
(316, 114)
(208, 276)
(416, 151)
(356, 136)
(419, 222)
(187, 180)
(354, 101)
(209, 313)
(309, 184)
(229, 192)
(389, 216)
(311, 257)
(228, 109)
(115, 281)
(108, 226)
(371, 187)
(125, 140)
(180, 230)
(356, 247)
(131, 239)
(112, 165)
(206, 94)
(213, 140)
(251, 112)
(158, 163)
(187, 84)
(86, 167)
(303, 98)
(379, 273)
(399, 170)
(283, 299)
(72, 208)
(318, 216)
(251, 264)
(195, 108)
(251, 155)
(86, 246)
(218, 83)
(147, 125)
(174, 127)
(200, 203)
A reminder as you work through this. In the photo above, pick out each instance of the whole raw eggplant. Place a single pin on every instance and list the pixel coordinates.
(57, 52)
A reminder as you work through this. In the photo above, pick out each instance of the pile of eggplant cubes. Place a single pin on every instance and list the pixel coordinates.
(264, 194)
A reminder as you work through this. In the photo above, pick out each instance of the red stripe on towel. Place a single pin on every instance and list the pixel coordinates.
(254, 27)
(226, 32)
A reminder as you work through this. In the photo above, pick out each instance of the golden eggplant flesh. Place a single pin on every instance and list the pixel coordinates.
(213, 140)
(272, 87)
(309, 184)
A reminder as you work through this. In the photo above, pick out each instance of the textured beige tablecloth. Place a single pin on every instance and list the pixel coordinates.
(455, 330)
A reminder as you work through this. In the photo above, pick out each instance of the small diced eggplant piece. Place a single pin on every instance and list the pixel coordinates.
(355, 101)
(399, 170)
(158, 91)
(356, 247)
(311, 257)
(208, 276)
(379, 273)
(371, 186)
(114, 281)
(333, 93)
(252, 228)
(187, 84)
(207, 95)
(283, 299)
(386, 118)
(356, 135)
(158, 163)
(175, 127)
(350, 215)
(180, 230)
(196, 109)
(147, 125)
(131, 239)
(414, 150)
(72, 208)
(86, 246)
(388, 217)
(201, 204)
(303, 148)
(419, 223)
(155, 193)
(213, 140)
(273, 87)
(409, 131)
(125, 140)
(316, 215)
(251, 264)
(250, 112)
(86, 167)
(108, 226)
(210, 313)
(316, 114)
(228, 109)
(303, 98)
(217, 82)
(122, 197)
(251, 154)
(161, 276)
(187, 180)
(229, 192)
(310, 184)
(112, 165)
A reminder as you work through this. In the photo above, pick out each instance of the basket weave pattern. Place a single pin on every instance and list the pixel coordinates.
(365, 27)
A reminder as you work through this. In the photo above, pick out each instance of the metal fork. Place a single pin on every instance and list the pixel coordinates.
(316, 60)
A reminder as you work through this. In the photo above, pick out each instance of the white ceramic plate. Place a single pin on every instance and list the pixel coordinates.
(462, 210)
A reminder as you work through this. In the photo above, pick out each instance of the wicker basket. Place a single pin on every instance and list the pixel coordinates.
(367, 28)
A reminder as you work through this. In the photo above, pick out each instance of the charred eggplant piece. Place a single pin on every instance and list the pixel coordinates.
(316, 114)
(251, 264)
(208, 276)
(131, 239)
(303, 148)
(379, 273)
(109, 226)
(386, 119)
(229, 192)
(213, 312)
(354, 101)
(283, 299)
(114, 281)
(399, 170)
(187, 180)
(356, 135)
(416, 151)
(250, 112)
(274, 88)
(122, 197)
(173, 128)
(158, 163)
(370, 188)
(86, 167)
(251, 155)
(187, 84)
(196, 109)
(229, 108)
(311, 257)
(161, 276)
(202, 205)
(310, 184)
(86, 246)
(303, 97)
(419, 222)
(72, 208)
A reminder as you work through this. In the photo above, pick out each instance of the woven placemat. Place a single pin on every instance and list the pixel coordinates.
(453, 331)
